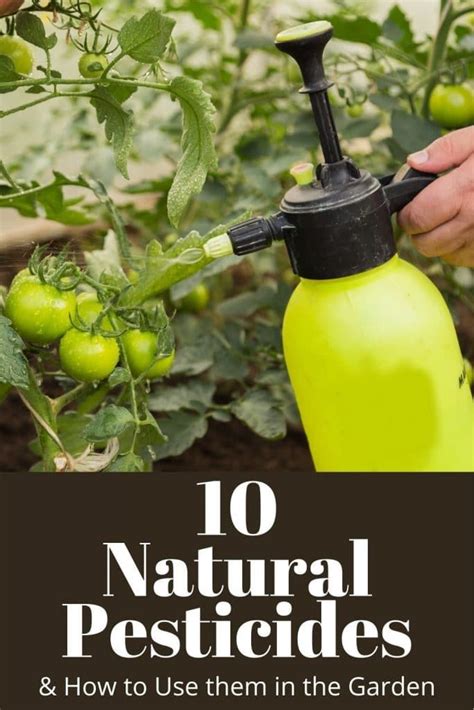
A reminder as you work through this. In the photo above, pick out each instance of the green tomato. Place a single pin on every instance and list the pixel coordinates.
(92, 66)
(141, 349)
(89, 309)
(196, 300)
(355, 110)
(40, 313)
(19, 52)
(86, 357)
(335, 99)
(170, 239)
(20, 276)
(452, 106)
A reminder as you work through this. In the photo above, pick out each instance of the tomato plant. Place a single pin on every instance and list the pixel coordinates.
(137, 115)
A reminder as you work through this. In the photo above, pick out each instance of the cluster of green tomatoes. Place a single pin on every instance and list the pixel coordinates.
(89, 350)
(91, 65)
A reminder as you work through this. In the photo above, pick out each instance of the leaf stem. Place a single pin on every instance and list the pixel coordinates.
(112, 64)
(23, 107)
(36, 190)
(40, 406)
(464, 11)
(230, 109)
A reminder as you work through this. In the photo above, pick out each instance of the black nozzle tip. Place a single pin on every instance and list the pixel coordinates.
(306, 44)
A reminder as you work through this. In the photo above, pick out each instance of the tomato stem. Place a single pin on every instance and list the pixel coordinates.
(58, 404)
(40, 406)
(438, 50)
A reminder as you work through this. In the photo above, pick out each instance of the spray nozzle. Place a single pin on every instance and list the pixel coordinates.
(218, 247)
(250, 236)
(306, 44)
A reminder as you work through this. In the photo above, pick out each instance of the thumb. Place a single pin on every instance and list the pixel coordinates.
(447, 152)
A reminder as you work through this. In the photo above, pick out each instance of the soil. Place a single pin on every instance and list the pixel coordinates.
(227, 447)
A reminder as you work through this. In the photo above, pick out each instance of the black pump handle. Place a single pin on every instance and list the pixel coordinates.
(306, 44)
(402, 187)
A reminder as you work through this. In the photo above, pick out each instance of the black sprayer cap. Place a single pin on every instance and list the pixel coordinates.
(342, 221)
(336, 222)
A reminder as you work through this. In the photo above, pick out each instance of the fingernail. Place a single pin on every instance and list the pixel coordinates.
(420, 157)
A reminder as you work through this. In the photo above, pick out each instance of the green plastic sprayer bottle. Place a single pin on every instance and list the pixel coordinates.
(369, 343)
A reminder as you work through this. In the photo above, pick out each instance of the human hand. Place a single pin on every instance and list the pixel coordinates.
(441, 218)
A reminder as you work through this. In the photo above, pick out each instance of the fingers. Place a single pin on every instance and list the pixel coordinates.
(440, 202)
(462, 257)
(443, 241)
(445, 153)
(441, 218)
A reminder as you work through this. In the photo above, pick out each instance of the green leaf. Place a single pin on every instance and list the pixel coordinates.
(118, 223)
(128, 463)
(207, 14)
(182, 288)
(269, 336)
(199, 155)
(108, 423)
(146, 39)
(7, 74)
(122, 92)
(273, 377)
(36, 90)
(149, 434)
(119, 125)
(384, 102)
(245, 304)
(354, 28)
(229, 365)
(361, 127)
(182, 430)
(161, 273)
(412, 133)
(71, 427)
(30, 28)
(48, 201)
(252, 39)
(195, 358)
(106, 260)
(13, 365)
(167, 398)
(119, 376)
(397, 29)
(261, 413)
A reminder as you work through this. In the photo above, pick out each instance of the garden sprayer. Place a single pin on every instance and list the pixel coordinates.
(369, 342)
